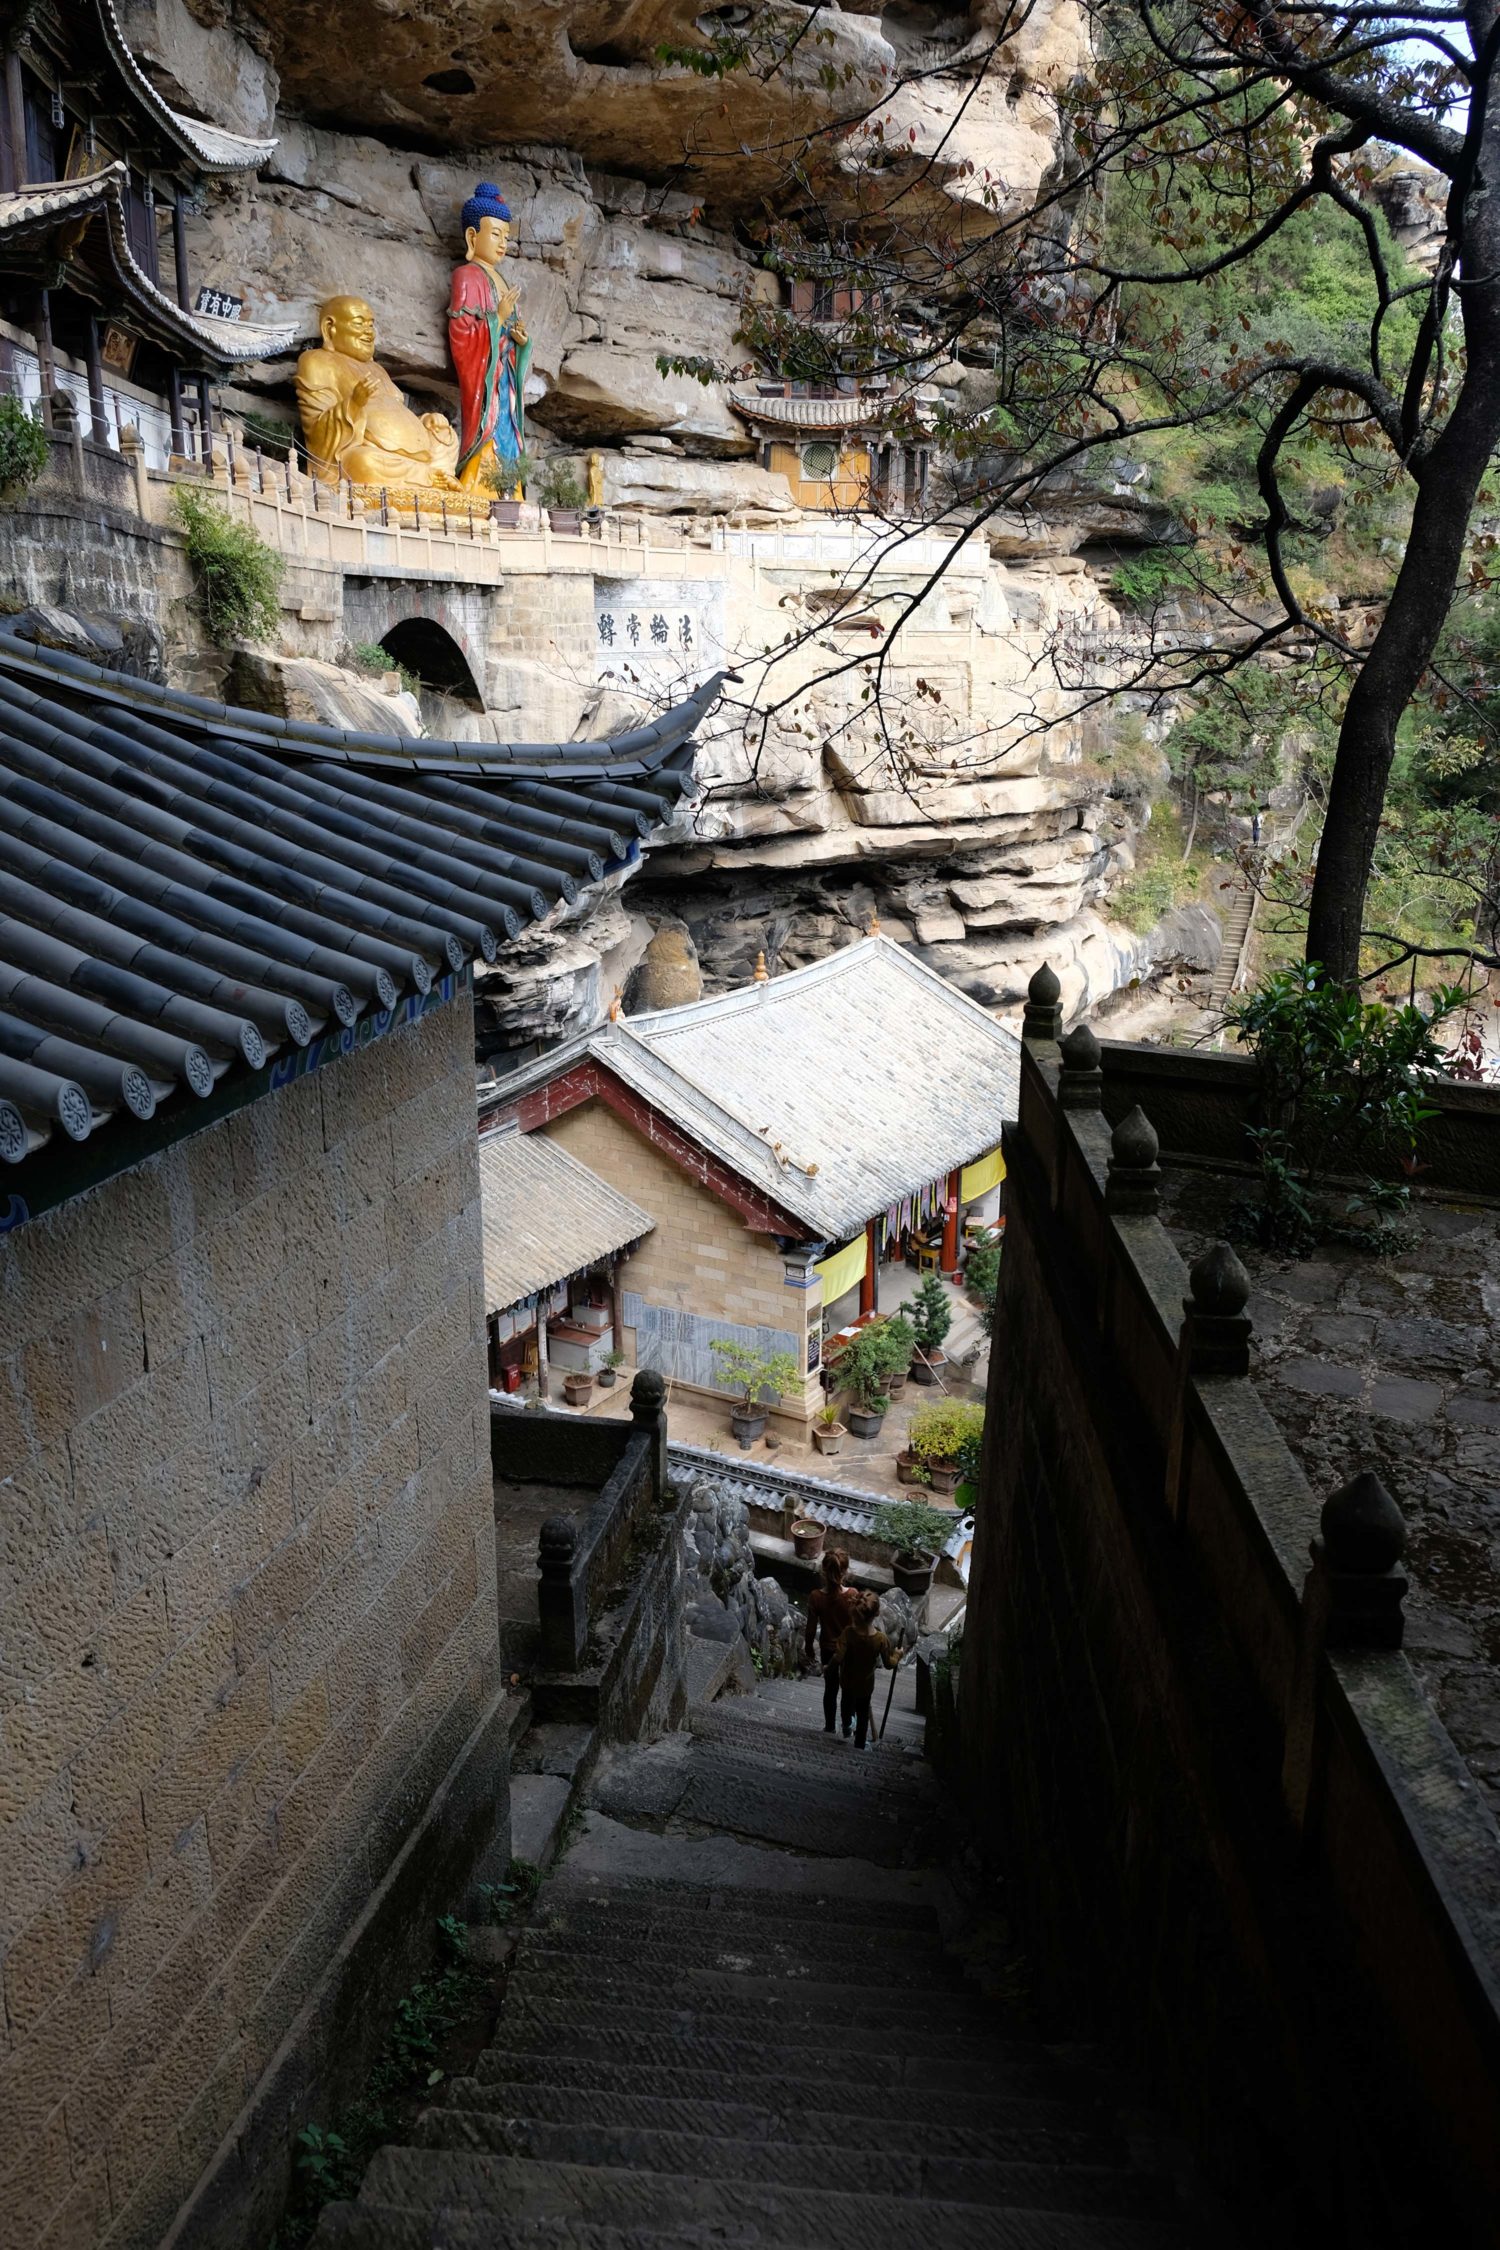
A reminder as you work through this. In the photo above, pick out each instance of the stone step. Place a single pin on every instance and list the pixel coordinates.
(669, 2041)
(1039, 2096)
(642, 1989)
(743, 1796)
(517, 2193)
(896, 1962)
(782, 2118)
(826, 1918)
(753, 1721)
(662, 1894)
(383, 2226)
(933, 2174)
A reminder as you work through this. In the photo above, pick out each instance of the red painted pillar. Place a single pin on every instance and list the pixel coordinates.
(868, 1280)
(950, 1227)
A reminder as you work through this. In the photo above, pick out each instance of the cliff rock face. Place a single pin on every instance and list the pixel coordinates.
(977, 827)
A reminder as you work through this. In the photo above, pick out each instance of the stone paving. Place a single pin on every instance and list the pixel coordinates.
(1393, 1364)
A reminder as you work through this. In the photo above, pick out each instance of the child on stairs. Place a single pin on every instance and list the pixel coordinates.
(862, 1649)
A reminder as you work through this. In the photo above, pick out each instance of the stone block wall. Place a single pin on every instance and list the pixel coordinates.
(701, 1258)
(247, 1607)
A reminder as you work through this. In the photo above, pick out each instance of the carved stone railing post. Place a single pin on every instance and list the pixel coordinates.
(648, 1411)
(562, 1596)
(1351, 1598)
(1041, 1018)
(1132, 1188)
(1214, 1340)
(1080, 1085)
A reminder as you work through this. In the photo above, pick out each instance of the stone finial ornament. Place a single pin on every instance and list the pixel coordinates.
(762, 973)
(872, 927)
(1042, 1016)
(558, 1542)
(1356, 1584)
(1215, 1331)
(1133, 1185)
(1081, 1085)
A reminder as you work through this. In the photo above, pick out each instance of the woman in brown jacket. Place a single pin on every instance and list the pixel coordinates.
(830, 1607)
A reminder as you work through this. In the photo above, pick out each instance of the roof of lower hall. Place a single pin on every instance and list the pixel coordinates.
(50, 215)
(546, 1217)
(189, 891)
(836, 1089)
(210, 147)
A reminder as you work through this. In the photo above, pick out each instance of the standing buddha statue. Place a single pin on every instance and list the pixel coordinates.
(491, 350)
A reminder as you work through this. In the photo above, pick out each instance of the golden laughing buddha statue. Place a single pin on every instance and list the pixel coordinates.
(356, 423)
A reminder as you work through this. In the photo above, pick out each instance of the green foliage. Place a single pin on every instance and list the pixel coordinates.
(939, 1431)
(982, 1279)
(561, 487)
(912, 1528)
(929, 1312)
(1146, 580)
(869, 1360)
(751, 1374)
(24, 447)
(506, 1901)
(238, 576)
(1342, 1095)
(502, 476)
(1159, 880)
(270, 436)
(371, 657)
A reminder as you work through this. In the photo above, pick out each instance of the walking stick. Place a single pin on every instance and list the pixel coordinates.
(890, 1697)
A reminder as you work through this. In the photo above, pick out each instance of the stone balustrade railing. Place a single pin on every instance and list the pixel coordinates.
(1243, 1835)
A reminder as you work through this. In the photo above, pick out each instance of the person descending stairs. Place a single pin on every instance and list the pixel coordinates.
(733, 2019)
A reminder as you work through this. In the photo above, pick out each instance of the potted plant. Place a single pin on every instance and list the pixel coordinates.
(807, 1539)
(918, 1534)
(609, 1373)
(751, 1374)
(901, 1342)
(506, 479)
(982, 1278)
(864, 1370)
(828, 1431)
(931, 1317)
(938, 1435)
(578, 1386)
(563, 496)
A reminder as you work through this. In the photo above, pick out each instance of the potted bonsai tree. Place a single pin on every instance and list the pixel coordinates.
(938, 1435)
(563, 496)
(578, 1386)
(931, 1317)
(918, 1534)
(609, 1373)
(901, 1342)
(864, 1371)
(751, 1373)
(828, 1431)
(503, 480)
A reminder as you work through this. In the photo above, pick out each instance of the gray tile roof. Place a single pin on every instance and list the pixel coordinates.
(31, 217)
(836, 1089)
(188, 891)
(546, 1216)
(211, 147)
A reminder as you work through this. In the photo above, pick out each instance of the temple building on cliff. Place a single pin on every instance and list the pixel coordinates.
(98, 303)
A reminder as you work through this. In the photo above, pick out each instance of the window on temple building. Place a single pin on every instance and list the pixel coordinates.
(820, 463)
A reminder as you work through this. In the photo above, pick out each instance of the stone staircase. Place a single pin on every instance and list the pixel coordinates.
(1236, 903)
(739, 2024)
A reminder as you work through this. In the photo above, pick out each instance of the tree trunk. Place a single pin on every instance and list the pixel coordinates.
(1402, 649)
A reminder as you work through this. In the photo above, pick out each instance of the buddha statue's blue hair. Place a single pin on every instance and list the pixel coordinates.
(485, 203)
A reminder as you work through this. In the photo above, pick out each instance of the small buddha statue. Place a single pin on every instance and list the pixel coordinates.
(354, 419)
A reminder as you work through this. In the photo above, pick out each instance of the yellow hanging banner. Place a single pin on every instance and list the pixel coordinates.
(978, 1178)
(843, 1271)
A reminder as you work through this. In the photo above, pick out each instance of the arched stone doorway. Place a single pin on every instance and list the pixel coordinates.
(433, 657)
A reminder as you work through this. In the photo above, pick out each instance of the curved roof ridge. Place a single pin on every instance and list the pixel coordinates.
(212, 146)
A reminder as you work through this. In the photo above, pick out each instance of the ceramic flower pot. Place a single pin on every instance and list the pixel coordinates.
(807, 1540)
